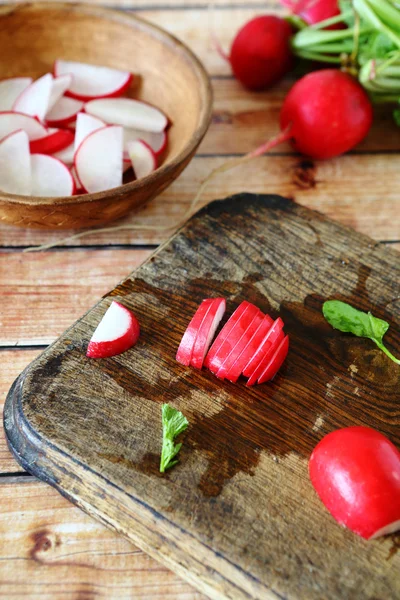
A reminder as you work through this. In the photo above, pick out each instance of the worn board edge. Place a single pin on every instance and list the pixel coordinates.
(201, 565)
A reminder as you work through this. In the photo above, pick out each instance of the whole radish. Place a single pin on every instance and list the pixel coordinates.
(314, 11)
(260, 54)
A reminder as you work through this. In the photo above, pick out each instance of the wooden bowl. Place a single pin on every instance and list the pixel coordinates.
(32, 36)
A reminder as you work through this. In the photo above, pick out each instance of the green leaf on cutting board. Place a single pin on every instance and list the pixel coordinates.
(173, 423)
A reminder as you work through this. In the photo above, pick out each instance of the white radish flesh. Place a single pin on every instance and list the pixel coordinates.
(66, 155)
(12, 121)
(156, 141)
(98, 160)
(64, 111)
(15, 164)
(50, 177)
(85, 125)
(34, 100)
(128, 113)
(92, 81)
(59, 87)
(142, 157)
(11, 89)
(78, 186)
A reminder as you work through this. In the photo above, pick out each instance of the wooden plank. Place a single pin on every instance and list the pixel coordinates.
(54, 551)
(357, 191)
(238, 517)
(140, 5)
(41, 295)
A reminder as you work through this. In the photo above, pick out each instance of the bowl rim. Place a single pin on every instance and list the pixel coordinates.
(204, 119)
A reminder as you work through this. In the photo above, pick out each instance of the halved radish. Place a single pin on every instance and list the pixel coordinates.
(34, 100)
(63, 112)
(156, 141)
(225, 331)
(85, 125)
(142, 157)
(10, 89)
(11, 121)
(92, 81)
(58, 89)
(206, 332)
(118, 331)
(66, 155)
(129, 113)
(276, 361)
(240, 334)
(15, 164)
(185, 350)
(98, 160)
(54, 141)
(250, 349)
(50, 177)
(269, 339)
(78, 186)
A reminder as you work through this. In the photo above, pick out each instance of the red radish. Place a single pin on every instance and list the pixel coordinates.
(356, 473)
(15, 164)
(207, 331)
(12, 121)
(50, 177)
(63, 112)
(273, 334)
(242, 341)
(129, 113)
(156, 141)
(85, 125)
(185, 350)
(260, 54)
(268, 355)
(54, 141)
(98, 160)
(250, 349)
(118, 331)
(275, 362)
(10, 89)
(143, 159)
(66, 155)
(34, 100)
(314, 11)
(232, 340)
(91, 81)
(59, 87)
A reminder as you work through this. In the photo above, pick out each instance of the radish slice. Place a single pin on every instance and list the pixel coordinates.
(275, 363)
(268, 352)
(206, 332)
(224, 333)
(91, 81)
(126, 165)
(66, 155)
(54, 141)
(34, 100)
(64, 111)
(50, 177)
(267, 342)
(12, 121)
(15, 164)
(129, 113)
(59, 87)
(241, 334)
(250, 349)
(156, 141)
(11, 89)
(185, 350)
(78, 186)
(85, 125)
(118, 331)
(98, 160)
(143, 159)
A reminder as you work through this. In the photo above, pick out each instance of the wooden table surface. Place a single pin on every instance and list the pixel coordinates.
(49, 548)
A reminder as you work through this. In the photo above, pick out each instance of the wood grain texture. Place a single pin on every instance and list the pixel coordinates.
(51, 541)
(238, 517)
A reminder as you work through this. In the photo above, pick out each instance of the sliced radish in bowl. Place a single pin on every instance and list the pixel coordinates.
(128, 113)
(54, 141)
(50, 177)
(143, 159)
(156, 141)
(66, 155)
(85, 125)
(78, 186)
(63, 112)
(207, 331)
(11, 89)
(118, 331)
(98, 160)
(11, 121)
(15, 164)
(34, 100)
(59, 87)
(92, 81)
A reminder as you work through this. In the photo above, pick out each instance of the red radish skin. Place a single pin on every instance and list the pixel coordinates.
(260, 54)
(314, 11)
(235, 339)
(267, 356)
(54, 142)
(276, 361)
(356, 473)
(270, 338)
(248, 352)
(206, 332)
(118, 331)
(185, 350)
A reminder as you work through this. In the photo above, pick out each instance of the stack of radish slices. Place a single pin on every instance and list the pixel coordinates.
(250, 343)
(71, 132)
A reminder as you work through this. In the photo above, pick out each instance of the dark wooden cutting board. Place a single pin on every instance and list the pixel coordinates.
(238, 516)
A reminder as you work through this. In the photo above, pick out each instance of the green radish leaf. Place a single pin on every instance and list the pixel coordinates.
(173, 423)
